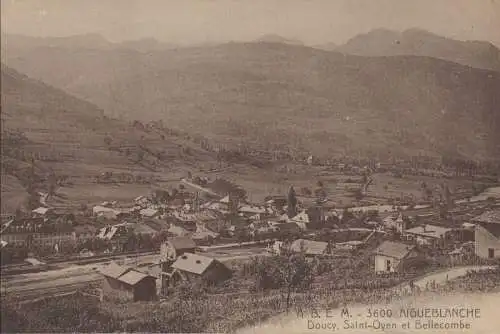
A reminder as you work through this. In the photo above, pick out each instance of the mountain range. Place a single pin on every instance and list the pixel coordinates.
(269, 94)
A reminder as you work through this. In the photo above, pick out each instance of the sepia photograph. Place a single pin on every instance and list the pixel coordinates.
(250, 166)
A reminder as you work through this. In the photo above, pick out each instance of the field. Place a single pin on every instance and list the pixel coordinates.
(340, 187)
(258, 183)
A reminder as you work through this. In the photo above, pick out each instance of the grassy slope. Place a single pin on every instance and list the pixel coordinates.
(296, 96)
(71, 133)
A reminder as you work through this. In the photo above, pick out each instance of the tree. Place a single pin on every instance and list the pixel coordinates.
(306, 191)
(140, 155)
(289, 272)
(346, 216)
(234, 203)
(292, 203)
(108, 140)
(52, 180)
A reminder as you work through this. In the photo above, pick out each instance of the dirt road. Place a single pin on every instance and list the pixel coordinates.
(444, 276)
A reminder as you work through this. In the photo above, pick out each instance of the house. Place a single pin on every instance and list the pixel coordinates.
(191, 266)
(487, 234)
(310, 247)
(289, 228)
(175, 247)
(177, 230)
(252, 210)
(391, 256)
(223, 203)
(85, 232)
(276, 202)
(141, 200)
(127, 284)
(263, 227)
(149, 213)
(42, 212)
(143, 229)
(429, 235)
(397, 223)
(39, 232)
(276, 247)
(108, 213)
(302, 217)
(204, 236)
(117, 234)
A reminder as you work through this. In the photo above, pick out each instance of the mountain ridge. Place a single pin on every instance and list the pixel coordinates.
(419, 42)
(269, 94)
(74, 139)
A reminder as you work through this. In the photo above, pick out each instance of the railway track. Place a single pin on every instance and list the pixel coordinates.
(30, 294)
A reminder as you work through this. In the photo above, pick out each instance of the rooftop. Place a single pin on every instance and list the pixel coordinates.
(394, 249)
(310, 247)
(124, 274)
(429, 231)
(182, 243)
(193, 263)
(491, 217)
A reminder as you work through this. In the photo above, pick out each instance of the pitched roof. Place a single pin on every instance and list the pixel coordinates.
(427, 230)
(143, 229)
(124, 274)
(148, 212)
(394, 249)
(493, 229)
(87, 228)
(193, 263)
(182, 243)
(253, 209)
(492, 217)
(114, 270)
(132, 277)
(302, 217)
(204, 234)
(177, 230)
(41, 210)
(311, 247)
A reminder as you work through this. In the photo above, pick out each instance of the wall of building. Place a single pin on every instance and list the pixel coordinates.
(485, 241)
(217, 272)
(39, 239)
(145, 289)
(381, 264)
(114, 289)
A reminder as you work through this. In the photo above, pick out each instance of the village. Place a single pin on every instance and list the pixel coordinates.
(181, 230)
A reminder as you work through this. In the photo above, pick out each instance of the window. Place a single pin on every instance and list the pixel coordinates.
(491, 253)
(388, 265)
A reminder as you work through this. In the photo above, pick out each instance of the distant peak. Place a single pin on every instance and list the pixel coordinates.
(420, 32)
(274, 38)
(89, 37)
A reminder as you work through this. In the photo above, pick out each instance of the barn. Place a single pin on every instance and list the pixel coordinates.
(127, 284)
(189, 267)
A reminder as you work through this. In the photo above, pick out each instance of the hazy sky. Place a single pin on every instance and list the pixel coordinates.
(195, 21)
